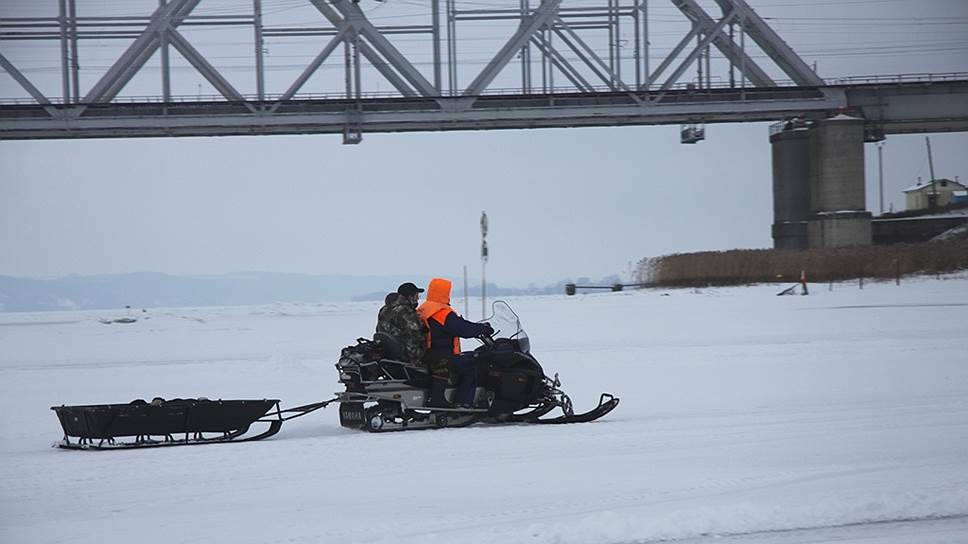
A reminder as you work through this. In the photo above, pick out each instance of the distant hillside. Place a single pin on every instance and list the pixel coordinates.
(152, 290)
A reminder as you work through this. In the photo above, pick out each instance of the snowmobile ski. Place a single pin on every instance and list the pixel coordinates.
(604, 407)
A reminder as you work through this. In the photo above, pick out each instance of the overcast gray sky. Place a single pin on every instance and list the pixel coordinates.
(572, 202)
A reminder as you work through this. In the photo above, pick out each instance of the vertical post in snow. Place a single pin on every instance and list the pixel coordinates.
(483, 265)
(467, 310)
(880, 174)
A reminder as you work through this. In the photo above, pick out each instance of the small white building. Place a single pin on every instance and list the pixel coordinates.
(939, 191)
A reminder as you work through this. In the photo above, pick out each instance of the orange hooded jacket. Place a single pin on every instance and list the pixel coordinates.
(437, 306)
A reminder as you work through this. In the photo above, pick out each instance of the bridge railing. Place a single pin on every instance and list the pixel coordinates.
(923, 77)
(714, 85)
(272, 97)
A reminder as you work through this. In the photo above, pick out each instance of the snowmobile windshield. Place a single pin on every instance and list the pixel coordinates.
(507, 324)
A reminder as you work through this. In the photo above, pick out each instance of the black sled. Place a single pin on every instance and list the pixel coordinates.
(385, 394)
(176, 422)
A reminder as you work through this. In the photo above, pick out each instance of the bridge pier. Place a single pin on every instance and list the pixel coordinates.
(838, 208)
(791, 187)
(818, 185)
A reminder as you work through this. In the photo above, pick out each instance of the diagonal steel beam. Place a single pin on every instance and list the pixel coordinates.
(384, 68)
(313, 66)
(771, 44)
(530, 25)
(591, 59)
(709, 37)
(345, 12)
(666, 62)
(571, 40)
(381, 65)
(354, 15)
(562, 64)
(23, 81)
(724, 43)
(144, 46)
(203, 66)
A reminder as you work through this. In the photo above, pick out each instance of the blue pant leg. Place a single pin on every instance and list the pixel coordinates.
(467, 377)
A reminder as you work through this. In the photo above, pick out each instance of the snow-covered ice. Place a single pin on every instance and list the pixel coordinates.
(745, 417)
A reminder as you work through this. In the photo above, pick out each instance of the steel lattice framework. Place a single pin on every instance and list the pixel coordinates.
(563, 81)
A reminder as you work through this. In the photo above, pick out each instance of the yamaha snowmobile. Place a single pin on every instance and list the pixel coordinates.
(384, 393)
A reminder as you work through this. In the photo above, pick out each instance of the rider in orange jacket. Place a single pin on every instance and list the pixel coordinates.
(443, 341)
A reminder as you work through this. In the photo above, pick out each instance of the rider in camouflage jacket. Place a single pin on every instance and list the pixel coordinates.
(399, 319)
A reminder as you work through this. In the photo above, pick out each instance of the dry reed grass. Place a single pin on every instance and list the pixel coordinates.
(743, 266)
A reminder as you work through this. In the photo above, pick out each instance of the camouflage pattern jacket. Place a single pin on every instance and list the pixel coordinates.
(400, 320)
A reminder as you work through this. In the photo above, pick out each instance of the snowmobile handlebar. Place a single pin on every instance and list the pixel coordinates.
(486, 339)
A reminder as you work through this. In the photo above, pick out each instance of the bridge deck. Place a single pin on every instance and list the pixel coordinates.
(890, 107)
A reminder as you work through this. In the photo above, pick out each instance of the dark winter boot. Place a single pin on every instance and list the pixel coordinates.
(481, 400)
(438, 393)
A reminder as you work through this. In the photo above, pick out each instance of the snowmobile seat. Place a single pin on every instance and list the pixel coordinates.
(389, 345)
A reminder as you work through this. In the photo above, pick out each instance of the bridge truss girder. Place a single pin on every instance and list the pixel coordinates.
(547, 34)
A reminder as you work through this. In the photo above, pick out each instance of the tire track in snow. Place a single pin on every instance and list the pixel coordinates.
(956, 522)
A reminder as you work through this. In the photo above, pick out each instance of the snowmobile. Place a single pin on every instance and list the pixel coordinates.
(384, 393)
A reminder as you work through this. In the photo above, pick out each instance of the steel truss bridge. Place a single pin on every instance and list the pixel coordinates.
(560, 78)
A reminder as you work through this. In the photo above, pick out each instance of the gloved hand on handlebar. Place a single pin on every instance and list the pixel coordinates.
(488, 330)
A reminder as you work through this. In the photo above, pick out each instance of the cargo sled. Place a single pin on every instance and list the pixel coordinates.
(176, 422)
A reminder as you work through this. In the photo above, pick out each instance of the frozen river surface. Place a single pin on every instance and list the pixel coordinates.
(745, 418)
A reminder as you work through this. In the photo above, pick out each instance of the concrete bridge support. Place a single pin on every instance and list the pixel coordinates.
(818, 185)
(791, 187)
(838, 215)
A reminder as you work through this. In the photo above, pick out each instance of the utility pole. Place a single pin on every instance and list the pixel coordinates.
(880, 173)
(483, 265)
(934, 186)
(467, 310)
